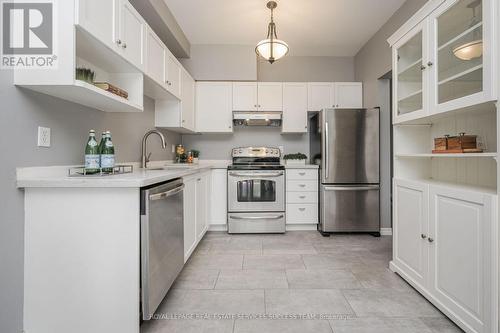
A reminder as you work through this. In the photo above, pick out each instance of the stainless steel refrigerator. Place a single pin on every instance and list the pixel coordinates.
(347, 143)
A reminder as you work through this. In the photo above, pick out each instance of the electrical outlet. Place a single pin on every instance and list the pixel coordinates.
(43, 136)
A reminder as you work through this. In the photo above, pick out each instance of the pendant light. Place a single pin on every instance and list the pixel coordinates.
(473, 49)
(272, 48)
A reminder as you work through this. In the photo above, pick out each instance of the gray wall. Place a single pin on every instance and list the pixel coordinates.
(218, 146)
(375, 59)
(222, 63)
(21, 113)
(307, 69)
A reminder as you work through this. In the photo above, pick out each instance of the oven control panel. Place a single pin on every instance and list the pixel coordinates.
(256, 152)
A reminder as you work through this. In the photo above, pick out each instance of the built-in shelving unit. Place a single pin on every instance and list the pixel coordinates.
(445, 206)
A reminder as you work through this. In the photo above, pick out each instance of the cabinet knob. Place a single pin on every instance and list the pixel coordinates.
(302, 173)
(423, 236)
(422, 67)
(430, 240)
(124, 45)
(183, 121)
(302, 185)
(302, 209)
(229, 126)
(430, 63)
(118, 41)
(302, 197)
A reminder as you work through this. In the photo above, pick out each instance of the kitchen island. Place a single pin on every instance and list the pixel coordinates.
(82, 247)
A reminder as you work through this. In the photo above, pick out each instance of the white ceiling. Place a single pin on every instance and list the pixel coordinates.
(310, 27)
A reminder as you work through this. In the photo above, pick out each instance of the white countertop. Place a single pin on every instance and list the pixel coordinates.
(57, 176)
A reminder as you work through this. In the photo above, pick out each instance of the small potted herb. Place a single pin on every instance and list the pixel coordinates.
(196, 155)
(295, 159)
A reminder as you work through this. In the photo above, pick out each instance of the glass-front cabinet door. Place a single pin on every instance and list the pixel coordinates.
(461, 43)
(410, 75)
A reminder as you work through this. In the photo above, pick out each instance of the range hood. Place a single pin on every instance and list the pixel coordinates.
(257, 118)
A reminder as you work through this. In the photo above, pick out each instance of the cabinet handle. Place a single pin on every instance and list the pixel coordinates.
(302, 173)
(183, 121)
(199, 179)
(302, 185)
(229, 126)
(118, 41)
(302, 209)
(124, 45)
(423, 236)
(422, 67)
(302, 197)
(430, 63)
(430, 240)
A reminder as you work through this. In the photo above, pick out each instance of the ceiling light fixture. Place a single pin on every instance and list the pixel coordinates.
(472, 49)
(272, 48)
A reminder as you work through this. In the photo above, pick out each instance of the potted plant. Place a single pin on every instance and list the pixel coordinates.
(196, 155)
(295, 159)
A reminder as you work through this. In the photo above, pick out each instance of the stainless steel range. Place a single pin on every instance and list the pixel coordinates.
(256, 191)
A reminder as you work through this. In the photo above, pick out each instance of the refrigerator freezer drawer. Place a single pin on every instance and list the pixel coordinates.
(350, 208)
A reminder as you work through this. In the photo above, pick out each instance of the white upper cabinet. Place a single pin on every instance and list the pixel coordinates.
(463, 47)
(320, 96)
(173, 75)
(447, 61)
(410, 76)
(96, 16)
(187, 101)
(155, 57)
(270, 96)
(131, 34)
(294, 107)
(245, 96)
(178, 115)
(257, 96)
(214, 105)
(348, 95)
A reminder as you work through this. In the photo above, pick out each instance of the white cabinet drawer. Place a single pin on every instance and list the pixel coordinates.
(301, 213)
(300, 174)
(301, 197)
(301, 186)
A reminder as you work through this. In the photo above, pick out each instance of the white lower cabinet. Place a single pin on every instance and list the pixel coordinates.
(302, 196)
(411, 227)
(445, 245)
(218, 200)
(461, 256)
(196, 210)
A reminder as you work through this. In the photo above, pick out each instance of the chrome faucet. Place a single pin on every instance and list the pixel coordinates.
(145, 155)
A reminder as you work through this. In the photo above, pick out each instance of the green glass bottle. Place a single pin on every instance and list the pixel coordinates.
(101, 144)
(108, 154)
(92, 154)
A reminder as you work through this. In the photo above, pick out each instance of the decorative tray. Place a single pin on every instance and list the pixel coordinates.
(80, 171)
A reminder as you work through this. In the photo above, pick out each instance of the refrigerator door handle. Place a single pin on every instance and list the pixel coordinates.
(327, 151)
(352, 188)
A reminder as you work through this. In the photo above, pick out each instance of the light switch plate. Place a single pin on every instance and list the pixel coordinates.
(43, 136)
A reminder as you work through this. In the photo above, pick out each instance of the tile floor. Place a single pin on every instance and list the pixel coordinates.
(298, 282)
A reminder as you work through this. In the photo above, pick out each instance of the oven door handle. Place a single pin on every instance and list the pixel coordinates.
(256, 217)
(242, 174)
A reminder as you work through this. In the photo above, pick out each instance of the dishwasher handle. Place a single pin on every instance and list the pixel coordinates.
(164, 195)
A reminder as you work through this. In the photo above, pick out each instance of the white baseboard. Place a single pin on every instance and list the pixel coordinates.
(386, 231)
(217, 227)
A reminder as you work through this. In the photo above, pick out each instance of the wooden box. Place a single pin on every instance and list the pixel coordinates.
(441, 143)
(462, 142)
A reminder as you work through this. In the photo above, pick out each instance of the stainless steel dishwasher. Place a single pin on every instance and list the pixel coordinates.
(162, 242)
